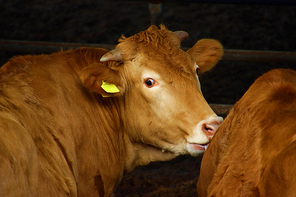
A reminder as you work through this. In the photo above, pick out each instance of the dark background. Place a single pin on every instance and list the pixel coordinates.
(248, 27)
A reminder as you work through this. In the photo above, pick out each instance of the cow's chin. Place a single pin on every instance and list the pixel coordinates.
(196, 149)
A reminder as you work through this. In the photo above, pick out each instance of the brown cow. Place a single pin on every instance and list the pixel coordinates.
(72, 122)
(253, 153)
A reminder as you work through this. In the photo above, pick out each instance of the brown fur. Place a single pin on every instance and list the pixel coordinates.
(60, 137)
(253, 151)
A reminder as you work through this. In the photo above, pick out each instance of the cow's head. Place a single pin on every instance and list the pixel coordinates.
(157, 82)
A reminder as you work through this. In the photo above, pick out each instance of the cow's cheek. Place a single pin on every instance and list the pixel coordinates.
(159, 115)
(163, 105)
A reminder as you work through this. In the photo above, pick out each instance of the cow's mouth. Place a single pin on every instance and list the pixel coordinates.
(196, 149)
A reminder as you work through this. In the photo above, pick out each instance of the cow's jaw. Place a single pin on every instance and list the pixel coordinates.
(199, 140)
(139, 154)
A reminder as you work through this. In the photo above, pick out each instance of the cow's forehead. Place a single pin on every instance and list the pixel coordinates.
(169, 64)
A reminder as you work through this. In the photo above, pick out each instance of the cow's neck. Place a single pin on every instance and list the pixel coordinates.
(136, 153)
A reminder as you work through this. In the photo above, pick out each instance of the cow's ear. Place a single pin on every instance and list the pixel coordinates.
(206, 53)
(99, 78)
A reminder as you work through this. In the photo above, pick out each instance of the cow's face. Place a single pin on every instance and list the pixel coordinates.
(165, 106)
(163, 103)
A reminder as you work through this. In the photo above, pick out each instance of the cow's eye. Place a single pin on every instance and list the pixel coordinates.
(149, 82)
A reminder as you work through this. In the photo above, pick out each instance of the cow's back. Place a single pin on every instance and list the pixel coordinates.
(253, 151)
(53, 129)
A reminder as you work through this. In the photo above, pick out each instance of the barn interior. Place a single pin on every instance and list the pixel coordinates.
(257, 36)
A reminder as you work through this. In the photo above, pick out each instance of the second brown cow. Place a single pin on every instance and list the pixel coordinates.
(254, 150)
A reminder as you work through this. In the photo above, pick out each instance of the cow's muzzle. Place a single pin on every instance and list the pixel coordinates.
(202, 135)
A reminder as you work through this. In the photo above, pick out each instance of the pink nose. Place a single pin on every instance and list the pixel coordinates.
(210, 126)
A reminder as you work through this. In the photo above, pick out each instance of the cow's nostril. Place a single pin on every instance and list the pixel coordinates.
(210, 127)
(208, 130)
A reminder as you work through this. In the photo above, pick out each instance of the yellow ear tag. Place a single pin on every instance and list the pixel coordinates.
(109, 88)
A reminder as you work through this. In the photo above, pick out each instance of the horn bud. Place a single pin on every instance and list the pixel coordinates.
(114, 55)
